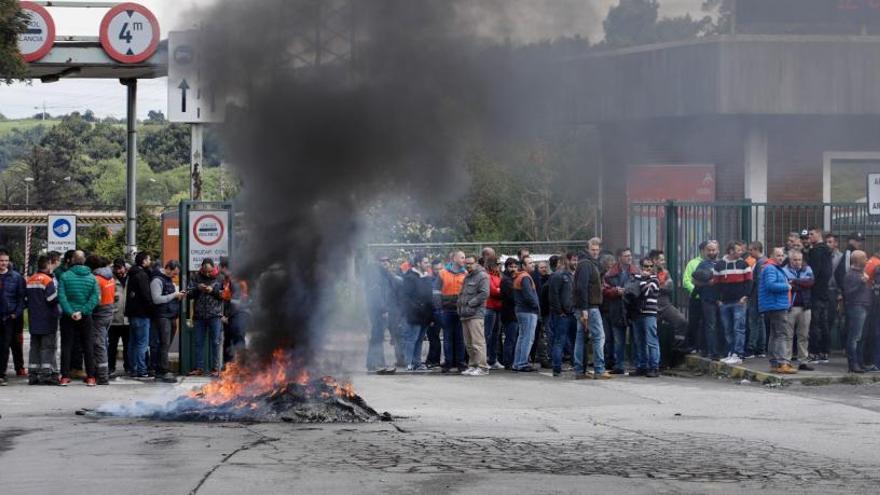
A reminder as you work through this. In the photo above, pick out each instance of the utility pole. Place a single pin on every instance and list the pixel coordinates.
(131, 170)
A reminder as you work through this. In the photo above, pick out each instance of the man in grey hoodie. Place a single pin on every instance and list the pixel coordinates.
(472, 312)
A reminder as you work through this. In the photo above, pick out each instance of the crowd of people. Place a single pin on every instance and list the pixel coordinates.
(94, 304)
(584, 310)
(520, 315)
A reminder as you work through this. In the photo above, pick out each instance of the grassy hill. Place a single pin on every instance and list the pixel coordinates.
(7, 125)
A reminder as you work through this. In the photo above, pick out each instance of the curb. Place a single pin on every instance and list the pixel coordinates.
(739, 372)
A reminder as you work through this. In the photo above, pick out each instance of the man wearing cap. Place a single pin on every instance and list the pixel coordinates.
(819, 260)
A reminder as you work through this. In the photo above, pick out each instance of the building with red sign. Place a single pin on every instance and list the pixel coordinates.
(767, 117)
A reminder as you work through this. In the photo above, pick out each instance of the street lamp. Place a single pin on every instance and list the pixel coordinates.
(27, 192)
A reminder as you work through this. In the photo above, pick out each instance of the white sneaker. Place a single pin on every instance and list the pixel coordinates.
(479, 372)
(497, 366)
(469, 371)
(734, 359)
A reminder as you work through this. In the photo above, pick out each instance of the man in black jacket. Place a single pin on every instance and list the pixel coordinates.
(139, 310)
(508, 312)
(417, 306)
(587, 301)
(560, 299)
(819, 260)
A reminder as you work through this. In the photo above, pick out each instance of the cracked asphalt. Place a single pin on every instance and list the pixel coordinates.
(504, 432)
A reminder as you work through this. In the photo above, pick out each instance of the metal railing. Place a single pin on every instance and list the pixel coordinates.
(679, 227)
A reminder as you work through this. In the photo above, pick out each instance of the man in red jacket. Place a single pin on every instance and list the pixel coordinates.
(493, 312)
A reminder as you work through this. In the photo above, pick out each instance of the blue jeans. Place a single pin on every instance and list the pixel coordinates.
(855, 322)
(527, 324)
(453, 341)
(511, 332)
(645, 338)
(619, 333)
(139, 341)
(562, 325)
(733, 319)
(490, 329)
(375, 348)
(597, 335)
(211, 329)
(710, 329)
(413, 335)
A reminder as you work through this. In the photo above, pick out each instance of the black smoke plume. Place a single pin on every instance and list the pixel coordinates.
(315, 139)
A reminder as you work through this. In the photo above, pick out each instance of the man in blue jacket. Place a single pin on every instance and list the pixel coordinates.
(12, 294)
(774, 301)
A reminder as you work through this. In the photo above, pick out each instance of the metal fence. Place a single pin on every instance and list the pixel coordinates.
(679, 227)
(404, 251)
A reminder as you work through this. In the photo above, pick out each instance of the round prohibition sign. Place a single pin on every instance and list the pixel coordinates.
(129, 33)
(208, 242)
(39, 35)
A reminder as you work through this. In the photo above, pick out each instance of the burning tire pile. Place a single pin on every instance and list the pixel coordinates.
(277, 392)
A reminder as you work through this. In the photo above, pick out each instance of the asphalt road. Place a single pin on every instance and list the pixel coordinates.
(497, 434)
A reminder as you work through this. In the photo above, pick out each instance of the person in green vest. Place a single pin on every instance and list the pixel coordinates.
(695, 309)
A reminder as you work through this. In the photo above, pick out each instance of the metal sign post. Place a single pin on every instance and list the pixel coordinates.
(191, 98)
(195, 162)
(205, 231)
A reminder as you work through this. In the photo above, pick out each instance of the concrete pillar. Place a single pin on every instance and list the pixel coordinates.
(755, 168)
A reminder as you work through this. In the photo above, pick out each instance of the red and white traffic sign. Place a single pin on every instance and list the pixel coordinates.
(39, 35)
(208, 236)
(129, 33)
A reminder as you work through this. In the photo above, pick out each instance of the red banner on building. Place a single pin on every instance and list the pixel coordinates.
(659, 183)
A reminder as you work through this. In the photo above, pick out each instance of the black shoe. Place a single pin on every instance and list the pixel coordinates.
(525, 369)
(445, 370)
(638, 373)
(856, 370)
(652, 373)
(618, 372)
(33, 380)
(557, 373)
(103, 381)
(806, 367)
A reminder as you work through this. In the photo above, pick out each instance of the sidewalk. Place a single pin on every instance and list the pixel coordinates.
(758, 370)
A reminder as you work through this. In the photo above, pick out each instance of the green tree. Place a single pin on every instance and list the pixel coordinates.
(166, 147)
(100, 240)
(637, 22)
(60, 167)
(12, 23)
(155, 117)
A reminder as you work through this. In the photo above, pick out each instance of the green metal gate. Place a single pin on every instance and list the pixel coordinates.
(679, 227)
(187, 336)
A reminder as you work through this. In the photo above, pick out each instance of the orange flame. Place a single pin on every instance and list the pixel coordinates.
(241, 383)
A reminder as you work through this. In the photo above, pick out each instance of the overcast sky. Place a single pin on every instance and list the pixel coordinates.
(107, 97)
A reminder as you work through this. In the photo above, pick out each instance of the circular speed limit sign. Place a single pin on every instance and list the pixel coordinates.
(39, 34)
(129, 33)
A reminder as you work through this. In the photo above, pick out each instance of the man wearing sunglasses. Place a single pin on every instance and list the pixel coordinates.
(646, 344)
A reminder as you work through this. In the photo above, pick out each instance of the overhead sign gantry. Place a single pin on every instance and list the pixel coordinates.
(127, 47)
